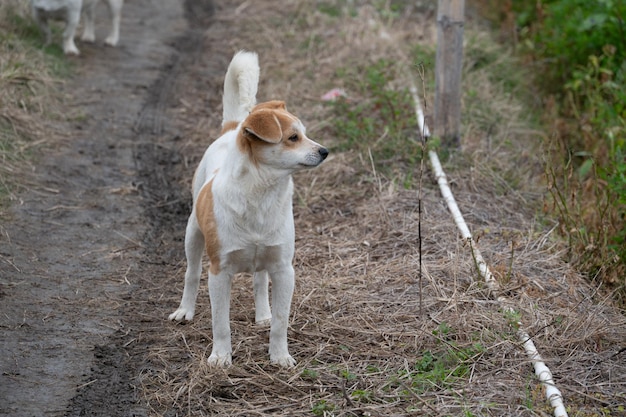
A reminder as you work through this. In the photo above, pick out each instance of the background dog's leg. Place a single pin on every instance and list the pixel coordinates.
(282, 291)
(89, 33)
(73, 17)
(115, 9)
(194, 248)
(219, 293)
(260, 283)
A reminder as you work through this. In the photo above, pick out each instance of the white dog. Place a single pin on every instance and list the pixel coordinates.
(242, 210)
(69, 11)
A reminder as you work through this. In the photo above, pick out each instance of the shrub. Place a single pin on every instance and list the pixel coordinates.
(580, 49)
(564, 33)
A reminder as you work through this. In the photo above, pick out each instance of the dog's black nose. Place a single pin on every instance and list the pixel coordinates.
(323, 153)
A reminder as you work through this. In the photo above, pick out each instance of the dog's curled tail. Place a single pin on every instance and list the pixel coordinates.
(240, 86)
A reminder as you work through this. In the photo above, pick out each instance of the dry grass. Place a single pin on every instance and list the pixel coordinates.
(359, 332)
(370, 337)
(27, 96)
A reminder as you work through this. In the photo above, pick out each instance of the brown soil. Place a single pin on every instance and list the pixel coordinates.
(91, 260)
(81, 245)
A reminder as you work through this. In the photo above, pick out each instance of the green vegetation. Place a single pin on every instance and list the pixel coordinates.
(566, 33)
(577, 55)
(441, 369)
(437, 370)
(513, 318)
(310, 374)
(579, 48)
(340, 8)
(444, 366)
(379, 120)
(21, 32)
(322, 408)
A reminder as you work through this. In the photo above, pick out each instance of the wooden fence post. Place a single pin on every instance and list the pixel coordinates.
(448, 66)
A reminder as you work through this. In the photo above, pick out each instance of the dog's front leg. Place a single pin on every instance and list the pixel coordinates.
(73, 17)
(282, 291)
(219, 293)
(89, 31)
(115, 10)
(194, 247)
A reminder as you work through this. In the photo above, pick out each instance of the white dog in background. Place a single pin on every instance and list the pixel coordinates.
(69, 11)
(242, 210)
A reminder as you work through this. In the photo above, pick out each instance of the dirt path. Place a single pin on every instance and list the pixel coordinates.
(74, 255)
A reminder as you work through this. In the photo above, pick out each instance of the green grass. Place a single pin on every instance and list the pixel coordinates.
(322, 408)
(332, 9)
(443, 367)
(380, 120)
(309, 374)
(337, 9)
(23, 33)
(378, 117)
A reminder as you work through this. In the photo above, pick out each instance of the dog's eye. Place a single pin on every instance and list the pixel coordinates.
(293, 138)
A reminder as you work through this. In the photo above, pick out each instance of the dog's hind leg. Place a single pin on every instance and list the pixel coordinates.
(194, 248)
(73, 17)
(89, 33)
(219, 292)
(260, 283)
(282, 292)
(115, 9)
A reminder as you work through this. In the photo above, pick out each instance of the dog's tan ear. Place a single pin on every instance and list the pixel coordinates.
(274, 104)
(263, 124)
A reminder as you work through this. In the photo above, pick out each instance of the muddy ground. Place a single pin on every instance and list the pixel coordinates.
(91, 259)
(81, 246)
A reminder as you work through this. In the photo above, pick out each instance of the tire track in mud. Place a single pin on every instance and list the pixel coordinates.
(84, 259)
(111, 389)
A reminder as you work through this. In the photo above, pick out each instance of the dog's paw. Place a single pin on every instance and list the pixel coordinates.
(88, 37)
(71, 49)
(111, 40)
(283, 361)
(222, 360)
(182, 314)
(263, 322)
